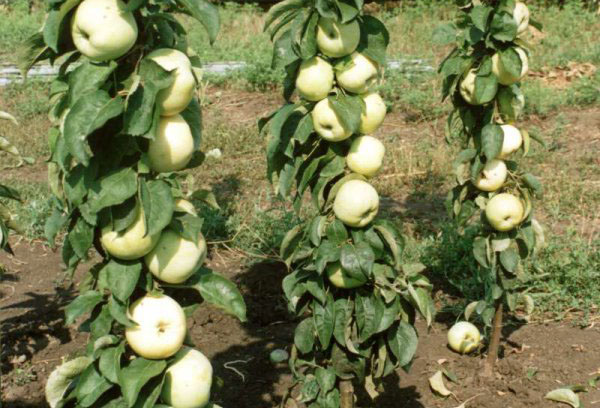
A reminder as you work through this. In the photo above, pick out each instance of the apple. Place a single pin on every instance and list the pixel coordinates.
(174, 259)
(340, 279)
(511, 102)
(493, 176)
(504, 212)
(374, 113)
(132, 243)
(160, 326)
(513, 139)
(356, 203)
(467, 89)
(327, 123)
(102, 30)
(315, 79)
(173, 145)
(521, 17)
(365, 156)
(188, 380)
(463, 337)
(359, 74)
(182, 205)
(179, 94)
(335, 39)
(505, 77)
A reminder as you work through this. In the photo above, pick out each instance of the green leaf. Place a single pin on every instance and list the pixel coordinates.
(503, 27)
(368, 316)
(124, 215)
(351, 262)
(390, 237)
(88, 77)
(112, 189)
(133, 377)
(402, 341)
(444, 34)
(193, 117)
(343, 317)
(158, 204)
(109, 362)
(532, 182)
(421, 299)
(348, 109)
(304, 335)
(188, 226)
(122, 277)
(206, 13)
(324, 317)
(374, 39)
(480, 251)
(150, 394)
(55, 24)
(54, 224)
(283, 52)
(308, 43)
(348, 10)
(326, 379)
(81, 237)
(480, 16)
(102, 323)
(509, 259)
(492, 138)
(62, 377)
(486, 87)
(511, 62)
(83, 303)
(290, 242)
(90, 386)
(279, 9)
(326, 253)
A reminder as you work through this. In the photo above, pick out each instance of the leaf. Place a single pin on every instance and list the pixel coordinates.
(509, 259)
(532, 182)
(564, 395)
(436, 382)
(304, 336)
(218, 291)
(503, 27)
(279, 9)
(83, 303)
(374, 39)
(348, 109)
(324, 316)
(62, 377)
(55, 23)
(110, 362)
(193, 117)
(88, 77)
(351, 262)
(81, 237)
(133, 377)
(90, 386)
(326, 379)
(112, 189)
(492, 138)
(444, 34)
(290, 243)
(122, 277)
(157, 201)
(206, 13)
(8, 116)
(402, 341)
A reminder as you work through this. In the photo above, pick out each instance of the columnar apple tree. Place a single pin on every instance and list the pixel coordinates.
(126, 120)
(349, 286)
(493, 197)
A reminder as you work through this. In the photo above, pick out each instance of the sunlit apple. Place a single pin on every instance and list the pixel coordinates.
(504, 212)
(356, 203)
(365, 156)
(327, 123)
(335, 39)
(315, 79)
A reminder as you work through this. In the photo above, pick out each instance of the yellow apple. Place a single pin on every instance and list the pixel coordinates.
(179, 94)
(340, 279)
(493, 176)
(188, 380)
(174, 259)
(102, 30)
(521, 17)
(504, 212)
(327, 123)
(132, 243)
(513, 139)
(315, 79)
(505, 77)
(464, 337)
(359, 75)
(365, 156)
(374, 113)
(173, 145)
(160, 326)
(356, 203)
(467, 88)
(336, 39)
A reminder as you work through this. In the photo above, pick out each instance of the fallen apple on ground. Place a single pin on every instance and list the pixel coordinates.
(132, 243)
(358, 74)
(315, 79)
(188, 380)
(504, 212)
(365, 156)
(327, 123)
(173, 145)
(340, 278)
(513, 139)
(464, 337)
(493, 176)
(374, 113)
(335, 39)
(356, 203)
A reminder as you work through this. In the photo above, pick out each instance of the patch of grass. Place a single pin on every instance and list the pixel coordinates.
(16, 24)
(31, 214)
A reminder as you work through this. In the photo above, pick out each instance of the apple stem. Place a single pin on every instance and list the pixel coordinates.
(346, 394)
(490, 362)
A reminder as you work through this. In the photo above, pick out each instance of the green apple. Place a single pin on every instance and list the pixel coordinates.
(132, 243)
(373, 114)
(504, 212)
(493, 176)
(327, 123)
(467, 89)
(174, 259)
(188, 380)
(503, 75)
(365, 156)
(179, 94)
(160, 327)
(340, 279)
(356, 203)
(511, 102)
(464, 337)
(315, 79)
(358, 74)
(521, 17)
(335, 39)
(102, 30)
(513, 140)
(185, 206)
(173, 145)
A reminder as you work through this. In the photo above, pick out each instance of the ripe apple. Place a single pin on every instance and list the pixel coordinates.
(467, 89)
(188, 380)
(505, 77)
(160, 329)
(365, 156)
(173, 145)
(132, 243)
(359, 75)
(340, 279)
(102, 30)
(182, 205)
(374, 113)
(335, 39)
(315, 79)
(356, 203)
(174, 259)
(327, 123)
(463, 337)
(513, 139)
(493, 176)
(521, 17)
(179, 94)
(504, 212)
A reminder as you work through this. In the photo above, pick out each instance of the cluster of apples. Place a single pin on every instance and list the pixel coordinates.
(503, 211)
(103, 30)
(357, 202)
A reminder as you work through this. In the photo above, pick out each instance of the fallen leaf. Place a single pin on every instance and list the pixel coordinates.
(564, 395)
(436, 382)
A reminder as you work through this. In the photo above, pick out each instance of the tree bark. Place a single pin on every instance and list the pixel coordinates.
(346, 394)
(490, 362)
